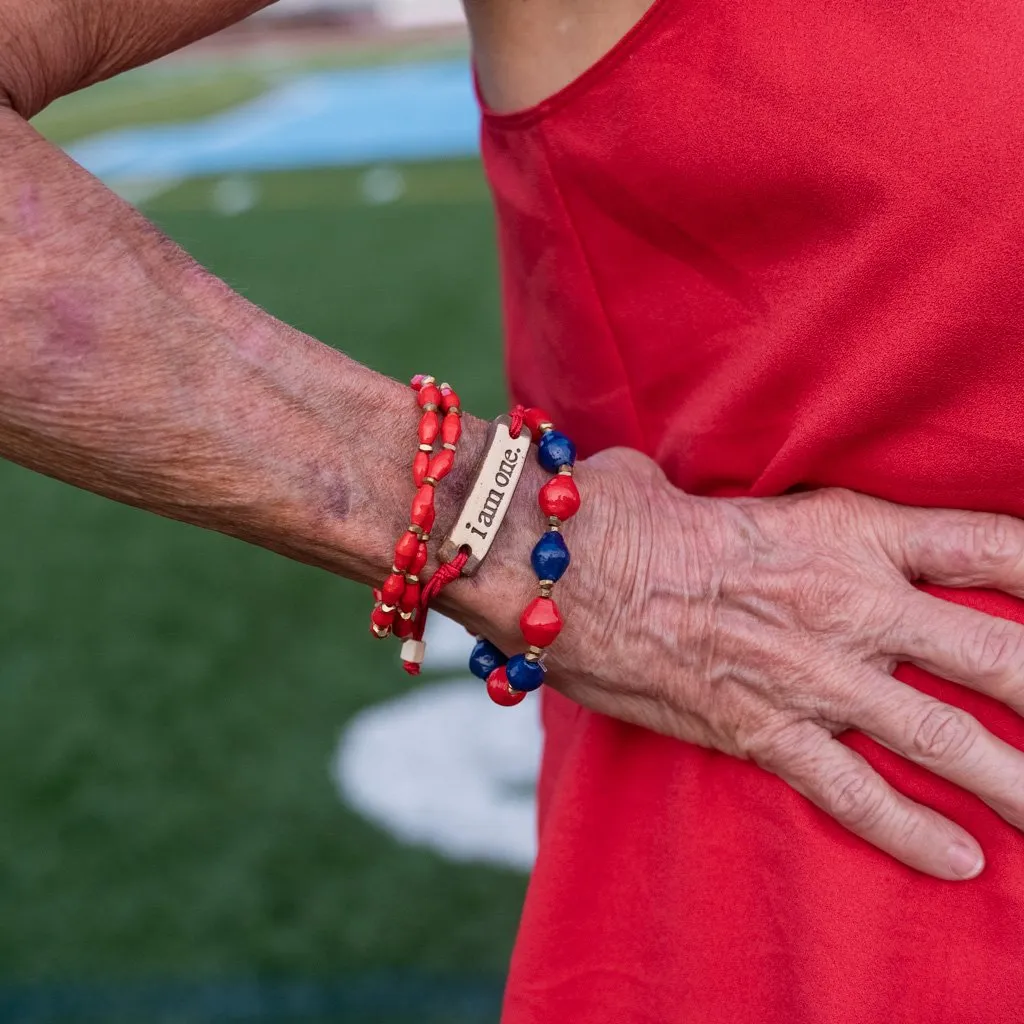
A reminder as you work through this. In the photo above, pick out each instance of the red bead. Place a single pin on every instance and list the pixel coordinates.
(533, 418)
(381, 618)
(541, 622)
(403, 628)
(405, 549)
(423, 508)
(560, 497)
(441, 464)
(500, 692)
(419, 467)
(410, 597)
(451, 429)
(419, 560)
(449, 400)
(394, 587)
(429, 395)
(428, 428)
(417, 382)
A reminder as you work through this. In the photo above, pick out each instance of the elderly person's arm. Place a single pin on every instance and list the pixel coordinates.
(128, 369)
(760, 628)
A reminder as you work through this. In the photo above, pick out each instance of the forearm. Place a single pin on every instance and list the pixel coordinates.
(127, 369)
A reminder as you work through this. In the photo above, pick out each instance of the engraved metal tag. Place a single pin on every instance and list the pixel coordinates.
(490, 497)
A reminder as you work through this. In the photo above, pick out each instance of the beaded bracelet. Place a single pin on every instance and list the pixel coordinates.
(510, 679)
(399, 597)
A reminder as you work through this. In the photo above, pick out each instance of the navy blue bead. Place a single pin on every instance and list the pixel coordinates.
(485, 659)
(550, 557)
(555, 450)
(523, 674)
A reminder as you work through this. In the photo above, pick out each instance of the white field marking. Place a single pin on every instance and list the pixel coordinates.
(234, 195)
(382, 185)
(443, 767)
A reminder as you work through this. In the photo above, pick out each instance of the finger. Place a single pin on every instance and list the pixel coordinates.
(948, 742)
(980, 651)
(846, 787)
(960, 549)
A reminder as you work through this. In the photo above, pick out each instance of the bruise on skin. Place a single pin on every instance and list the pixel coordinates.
(336, 494)
(70, 328)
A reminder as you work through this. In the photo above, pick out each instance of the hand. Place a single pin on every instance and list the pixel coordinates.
(767, 626)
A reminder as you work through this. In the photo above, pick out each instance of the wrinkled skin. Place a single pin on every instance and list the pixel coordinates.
(767, 626)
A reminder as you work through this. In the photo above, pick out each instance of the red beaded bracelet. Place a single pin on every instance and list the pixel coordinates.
(399, 597)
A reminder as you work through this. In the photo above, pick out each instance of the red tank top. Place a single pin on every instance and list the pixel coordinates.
(773, 244)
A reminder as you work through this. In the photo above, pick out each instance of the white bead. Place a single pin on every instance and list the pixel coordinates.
(414, 651)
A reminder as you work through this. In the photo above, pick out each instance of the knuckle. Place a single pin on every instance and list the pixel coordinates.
(995, 541)
(851, 798)
(996, 649)
(941, 733)
(984, 540)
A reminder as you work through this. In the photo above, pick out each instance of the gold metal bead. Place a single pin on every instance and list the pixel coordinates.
(380, 631)
(536, 650)
(405, 615)
(546, 589)
(565, 470)
(387, 608)
(395, 571)
(532, 656)
(431, 481)
(429, 407)
(454, 411)
(554, 522)
(427, 379)
(417, 530)
(411, 577)
(545, 427)
(449, 446)
(444, 384)
(554, 528)
(426, 447)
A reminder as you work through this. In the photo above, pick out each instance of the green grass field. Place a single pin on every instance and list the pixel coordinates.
(170, 699)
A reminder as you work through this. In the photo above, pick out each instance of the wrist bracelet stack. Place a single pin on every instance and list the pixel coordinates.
(403, 602)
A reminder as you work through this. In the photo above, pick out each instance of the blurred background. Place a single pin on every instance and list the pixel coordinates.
(221, 800)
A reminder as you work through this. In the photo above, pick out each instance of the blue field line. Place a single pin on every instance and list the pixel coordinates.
(391, 997)
(326, 119)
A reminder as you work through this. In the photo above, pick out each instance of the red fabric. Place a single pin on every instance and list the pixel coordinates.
(774, 244)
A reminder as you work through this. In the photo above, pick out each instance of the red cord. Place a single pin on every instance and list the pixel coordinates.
(446, 573)
(516, 426)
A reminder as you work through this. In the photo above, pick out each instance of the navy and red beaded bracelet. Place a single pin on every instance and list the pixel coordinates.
(510, 679)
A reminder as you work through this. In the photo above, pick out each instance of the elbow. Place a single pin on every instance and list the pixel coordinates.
(21, 91)
(44, 48)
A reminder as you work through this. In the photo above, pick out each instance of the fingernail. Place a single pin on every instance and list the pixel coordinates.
(965, 862)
